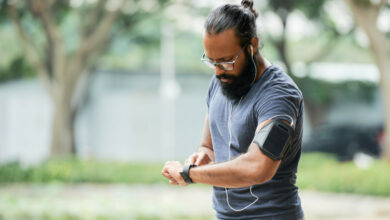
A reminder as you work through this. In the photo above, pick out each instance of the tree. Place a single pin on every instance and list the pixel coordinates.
(61, 69)
(316, 103)
(366, 14)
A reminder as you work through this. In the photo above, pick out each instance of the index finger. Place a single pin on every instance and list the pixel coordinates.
(192, 159)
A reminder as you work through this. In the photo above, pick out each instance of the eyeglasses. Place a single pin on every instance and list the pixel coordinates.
(223, 65)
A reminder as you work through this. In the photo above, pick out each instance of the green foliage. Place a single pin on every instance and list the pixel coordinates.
(320, 92)
(324, 173)
(76, 171)
(18, 68)
(75, 22)
(312, 9)
(328, 47)
(3, 14)
(62, 9)
(316, 171)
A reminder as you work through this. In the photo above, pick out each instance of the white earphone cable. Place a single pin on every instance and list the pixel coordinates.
(254, 64)
(230, 143)
(292, 124)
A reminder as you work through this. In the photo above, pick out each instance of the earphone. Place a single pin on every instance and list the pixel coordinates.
(230, 144)
(254, 64)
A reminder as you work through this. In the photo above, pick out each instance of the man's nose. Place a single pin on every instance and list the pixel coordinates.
(218, 70)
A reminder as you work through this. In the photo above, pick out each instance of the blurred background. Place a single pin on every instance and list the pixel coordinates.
(95, 95)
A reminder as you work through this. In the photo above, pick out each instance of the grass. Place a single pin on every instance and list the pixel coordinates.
(78, 171)
(316, 171)
(325, 173)
(136, 217)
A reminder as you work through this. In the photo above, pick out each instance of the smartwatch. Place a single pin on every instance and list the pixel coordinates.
(185, 174)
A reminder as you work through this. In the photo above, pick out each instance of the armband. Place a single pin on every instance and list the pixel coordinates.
(274, 139)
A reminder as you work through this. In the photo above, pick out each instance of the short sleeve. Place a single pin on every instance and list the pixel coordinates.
(280, 104)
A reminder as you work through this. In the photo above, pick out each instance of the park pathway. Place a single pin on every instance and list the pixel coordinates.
(117, 201)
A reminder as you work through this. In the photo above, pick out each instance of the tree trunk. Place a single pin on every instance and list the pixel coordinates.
(62, 72)
(281, 44)
(63, 140)
(366, 16)
(386, 100)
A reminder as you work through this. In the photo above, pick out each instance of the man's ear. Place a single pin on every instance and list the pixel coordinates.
(255, 44)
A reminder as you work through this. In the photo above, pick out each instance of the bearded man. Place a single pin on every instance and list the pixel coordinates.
(252, 137)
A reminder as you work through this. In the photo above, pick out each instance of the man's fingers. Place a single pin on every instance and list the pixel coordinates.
(165, 170)
(192, 159)
(166, 174)
(199, 159)
(172, 171)
(202, 159)
(171, 179)
(173, 182)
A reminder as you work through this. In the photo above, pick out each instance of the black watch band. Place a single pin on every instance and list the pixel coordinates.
(186, 173)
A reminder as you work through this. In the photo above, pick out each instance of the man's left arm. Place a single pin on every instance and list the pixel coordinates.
(253, 167)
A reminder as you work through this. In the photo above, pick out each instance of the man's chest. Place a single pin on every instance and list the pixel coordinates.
(233, 123)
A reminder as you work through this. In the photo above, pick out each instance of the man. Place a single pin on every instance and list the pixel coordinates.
(252, 136)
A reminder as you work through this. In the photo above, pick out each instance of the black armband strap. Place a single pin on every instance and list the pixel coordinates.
(274, 139)
(185, 174)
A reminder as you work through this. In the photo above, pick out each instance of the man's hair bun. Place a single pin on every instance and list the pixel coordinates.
(249, 4)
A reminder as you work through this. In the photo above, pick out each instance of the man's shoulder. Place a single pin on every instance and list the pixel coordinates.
(276, 87)
(278, 82)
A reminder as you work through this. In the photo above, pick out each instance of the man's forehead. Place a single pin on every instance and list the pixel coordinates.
(221, 45)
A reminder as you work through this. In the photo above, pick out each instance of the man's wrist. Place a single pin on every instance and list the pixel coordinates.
(185, 174)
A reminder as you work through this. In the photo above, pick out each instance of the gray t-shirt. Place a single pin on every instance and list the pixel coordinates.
(273, 95)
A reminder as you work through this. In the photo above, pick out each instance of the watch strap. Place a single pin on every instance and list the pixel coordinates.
(185, 174)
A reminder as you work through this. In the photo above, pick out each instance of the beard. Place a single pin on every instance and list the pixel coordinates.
(241, 84)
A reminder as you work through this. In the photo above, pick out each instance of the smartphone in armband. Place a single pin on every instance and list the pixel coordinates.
(274, 139)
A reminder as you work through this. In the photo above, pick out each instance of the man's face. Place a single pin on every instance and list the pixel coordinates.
(224, 47)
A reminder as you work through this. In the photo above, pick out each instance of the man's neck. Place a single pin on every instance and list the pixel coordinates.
(263, 64)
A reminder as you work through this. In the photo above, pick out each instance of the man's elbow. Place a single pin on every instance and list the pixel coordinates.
(260, 175)
(259, 168)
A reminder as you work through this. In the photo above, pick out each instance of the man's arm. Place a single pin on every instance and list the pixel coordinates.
(253, 167)
(203, 156)
(205, 149)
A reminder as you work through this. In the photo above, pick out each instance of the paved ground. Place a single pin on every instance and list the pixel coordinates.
(89, 201)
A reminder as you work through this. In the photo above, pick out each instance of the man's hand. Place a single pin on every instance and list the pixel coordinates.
(172, 171)
(199, 159)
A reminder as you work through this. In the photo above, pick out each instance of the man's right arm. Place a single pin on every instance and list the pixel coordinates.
(205, 153)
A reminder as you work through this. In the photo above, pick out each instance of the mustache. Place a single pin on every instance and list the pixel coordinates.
(226, 76)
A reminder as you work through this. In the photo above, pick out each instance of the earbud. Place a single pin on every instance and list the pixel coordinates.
(251, 50)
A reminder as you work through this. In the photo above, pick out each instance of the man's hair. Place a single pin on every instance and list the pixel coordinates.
(240, 18)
